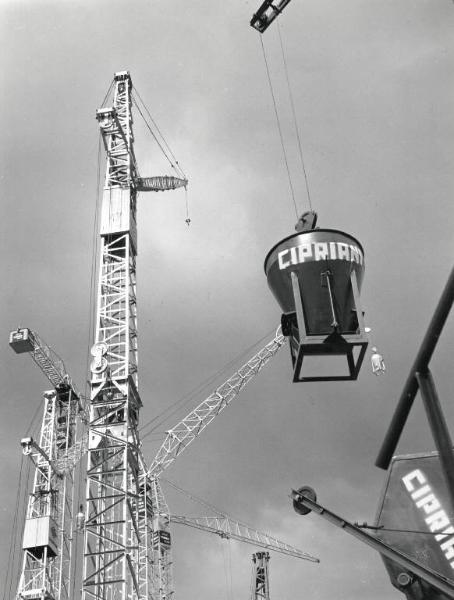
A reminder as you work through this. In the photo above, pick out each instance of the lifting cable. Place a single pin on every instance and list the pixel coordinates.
(164, 146)
(18, 527)
(94, 244)
(194, 498)
(279, 127)
(295, 121)
(227, 557)
(12, 544)
(186, 398)
(172, 159)
(108, 93)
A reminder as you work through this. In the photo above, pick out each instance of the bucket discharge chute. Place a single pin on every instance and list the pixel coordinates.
(315, 275)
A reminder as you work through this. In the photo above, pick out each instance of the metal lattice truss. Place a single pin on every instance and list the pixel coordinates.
(48, 533)
(190, 427)
(117, 511)
(50, 363)
(229, 528)
(260, 589)
(160, 551)
(159, 183)
(117, 309)
(116, 130)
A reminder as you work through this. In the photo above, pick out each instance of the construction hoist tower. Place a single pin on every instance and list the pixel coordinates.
(118, 523)
(49, 523)
(260, 589)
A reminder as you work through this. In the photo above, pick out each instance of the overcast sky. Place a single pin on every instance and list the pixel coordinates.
(373, 90)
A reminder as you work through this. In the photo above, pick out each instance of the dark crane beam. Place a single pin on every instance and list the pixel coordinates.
(266, 14)
(421, 365)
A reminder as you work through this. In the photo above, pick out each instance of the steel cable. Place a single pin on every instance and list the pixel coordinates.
(295, 122)
(279, 127)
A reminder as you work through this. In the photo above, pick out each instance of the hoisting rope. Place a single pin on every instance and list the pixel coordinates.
(205, 504)
(227, 556)
(279, 127)
(196, 499)
(108, 93)
(163, 145)
(12, 545)
(172, 159)
(295, 121)
(18, 527)
(173, 408)
(187, 220)
(94, 255)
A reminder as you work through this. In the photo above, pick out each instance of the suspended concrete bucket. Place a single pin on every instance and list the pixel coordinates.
(316, 276)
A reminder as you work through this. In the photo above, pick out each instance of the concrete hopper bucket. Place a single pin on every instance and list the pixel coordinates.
(316, 276)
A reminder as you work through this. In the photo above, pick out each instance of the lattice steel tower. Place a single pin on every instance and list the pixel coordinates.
(117, 513)
(260, 589)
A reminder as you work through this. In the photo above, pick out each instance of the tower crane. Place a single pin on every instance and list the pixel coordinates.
(48, 530)
(118, 522)
(260, 589)
(226, 527)
(177, 440)
(127, 545)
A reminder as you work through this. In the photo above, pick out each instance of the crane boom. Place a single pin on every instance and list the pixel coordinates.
(229, 528)
(159, 183)
(194, 423)
(25, 340)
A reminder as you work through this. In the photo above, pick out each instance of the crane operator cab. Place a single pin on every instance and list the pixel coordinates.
(316, 276)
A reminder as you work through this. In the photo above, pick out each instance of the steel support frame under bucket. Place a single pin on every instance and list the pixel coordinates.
(303, 344)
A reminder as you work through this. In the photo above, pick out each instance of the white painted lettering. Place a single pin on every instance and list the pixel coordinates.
(448, 548)
(421, 492)
(343, 251)
(316, 251)
(321, 251)
(428, 503)
(408, 479)
(437, 521)
(293, 256)
(448, 531)
(304, 251)
(355, 256)
(280, 257)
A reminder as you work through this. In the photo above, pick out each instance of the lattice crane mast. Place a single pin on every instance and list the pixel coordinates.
(260, 586)
(48, 529)
(117, 519)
